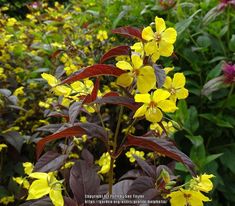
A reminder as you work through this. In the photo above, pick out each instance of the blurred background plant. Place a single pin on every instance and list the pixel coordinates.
(60, 38)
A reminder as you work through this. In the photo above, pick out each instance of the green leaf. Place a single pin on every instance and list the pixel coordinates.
(192, 119)
(196, 140)
(232, 43)
(183, 25)
(204, 41)
(211, 158)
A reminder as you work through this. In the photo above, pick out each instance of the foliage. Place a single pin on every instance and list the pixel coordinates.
(82, 115)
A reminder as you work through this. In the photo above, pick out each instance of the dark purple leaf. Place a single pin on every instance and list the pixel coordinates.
(128, 31)
(83, 181)
(14, 139)
(92, 97)
(119, 50)
(68, 132)
(148, 169)
(141, 185)
(50, 161)
(131, 174)
(74, 110)
(160, 75)
(122, 187)
(87, 156)
(69, 202)
(94, 71)
(118, 100)
(162, 146)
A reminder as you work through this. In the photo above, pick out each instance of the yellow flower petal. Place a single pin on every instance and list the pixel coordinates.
(182, 93)
(160, 24)
(178, 80)
(125, 80)
(145, 98)
(148, 33)
(124, 66)
(51, 80)
(154, 115)
(138, 47)
(177, 198)
(56, 197)
(165, 49)
(167, 106)
(38, 189)
(168, 69)
(141, 111)
(160, 95)
(77, 86)
(146, 79)
(155, 56)
(136, 61)
(38, 175)
(62, 90)
(169, 35)
(150, 48)
(168, 82)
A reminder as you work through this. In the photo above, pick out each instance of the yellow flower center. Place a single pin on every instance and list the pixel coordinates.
(172, 91)
(158, 37)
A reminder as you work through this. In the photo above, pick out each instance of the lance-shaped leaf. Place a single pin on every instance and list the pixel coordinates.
(128, 31)
(162, 146)
(160, 75)
(118, 100)
(92, 130)
(119, 50)
(49, 162)
(91, 97)
(74, 110)
(68, 132)
(94, 71)
(83, 181)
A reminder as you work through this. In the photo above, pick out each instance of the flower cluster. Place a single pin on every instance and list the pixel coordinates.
(192, 194)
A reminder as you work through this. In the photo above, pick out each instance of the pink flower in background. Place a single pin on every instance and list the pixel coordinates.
(224, 3)
(229, 73)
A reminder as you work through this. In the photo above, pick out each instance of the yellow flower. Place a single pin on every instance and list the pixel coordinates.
(28, 167)
(7, 199)
(167, 125)
(11, 22)
(46, 183)
(22, 181)
(2, 146)
(154, 105)
(130, 154)
(19, 91)
(104, 163)
(53, 81)
(176, 87)
(160, 43)
(139, 48)
(145, 75)
(202, 183)
(102, 35)
(184, 197)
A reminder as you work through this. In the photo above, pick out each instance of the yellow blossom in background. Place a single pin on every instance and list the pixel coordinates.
(202, 183)
(104, 163)
(176, 86)
(43, 104)
(102, 35)
(11, 22)
(7, 199)
(45, 184)
(168, 69)
(130, 154)
(184, 197)
(154, 104)
(68, 165)
(167, 125)
(19, 91)
(2, 146)
(28, 167)
(160, 43)
(51, 80)
(145, 75)
(22, 182)
(139, 48)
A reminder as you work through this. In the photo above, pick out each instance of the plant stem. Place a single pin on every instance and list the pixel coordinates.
(228, 97)
(114, 150)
